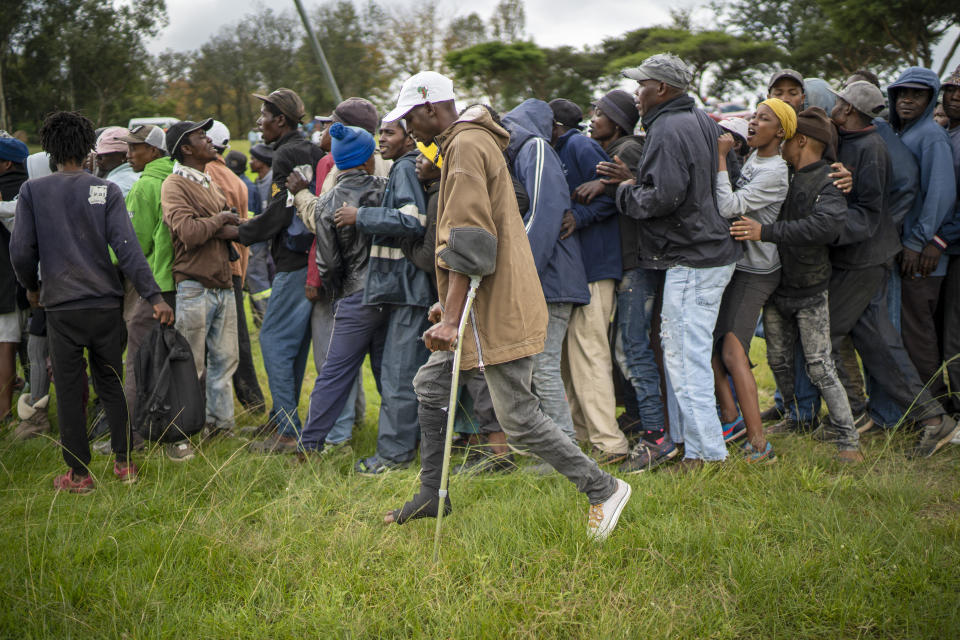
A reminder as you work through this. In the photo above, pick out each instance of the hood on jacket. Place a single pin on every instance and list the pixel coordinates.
(530, 118)
(817, 93)
(913, 75)
(159, 168)
(476, 117)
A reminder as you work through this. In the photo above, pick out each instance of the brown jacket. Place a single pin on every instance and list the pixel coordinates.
(190, 211)
(236, 193)
(480, 232)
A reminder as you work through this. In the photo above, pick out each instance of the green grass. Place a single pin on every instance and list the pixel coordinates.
(232, 545)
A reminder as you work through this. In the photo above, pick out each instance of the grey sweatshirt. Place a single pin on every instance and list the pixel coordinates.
(760, 192)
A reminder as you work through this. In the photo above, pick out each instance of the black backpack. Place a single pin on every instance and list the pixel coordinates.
(171, 404)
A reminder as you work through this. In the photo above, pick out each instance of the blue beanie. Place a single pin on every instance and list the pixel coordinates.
(13, 150)
(351, 146)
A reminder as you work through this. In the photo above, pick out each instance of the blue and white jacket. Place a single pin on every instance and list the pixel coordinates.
(537, 166)
(391, 277)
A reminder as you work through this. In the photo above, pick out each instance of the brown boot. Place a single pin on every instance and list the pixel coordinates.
(850, 456)
(33, 417)
(686, 465)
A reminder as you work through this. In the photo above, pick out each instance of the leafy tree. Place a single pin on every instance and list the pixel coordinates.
(509, 21)
(719, 61)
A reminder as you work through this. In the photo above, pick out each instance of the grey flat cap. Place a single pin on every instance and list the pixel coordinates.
(663, 67)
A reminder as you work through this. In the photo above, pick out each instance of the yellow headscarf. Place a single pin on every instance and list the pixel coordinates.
(432, 152)
(785, 114)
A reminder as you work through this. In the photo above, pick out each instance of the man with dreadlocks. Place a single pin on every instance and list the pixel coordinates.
(81, 217)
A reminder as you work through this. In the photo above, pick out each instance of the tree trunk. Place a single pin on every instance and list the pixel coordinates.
(944, 66)
(4, 124)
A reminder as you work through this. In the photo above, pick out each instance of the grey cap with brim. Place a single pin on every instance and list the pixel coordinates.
(662, 67)
(863, 96)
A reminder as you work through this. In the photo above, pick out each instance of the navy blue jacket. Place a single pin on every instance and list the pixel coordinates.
(66, 224)
(391, 277)
(253, 195)
(935, 204)
(537, 166)
(597, 222)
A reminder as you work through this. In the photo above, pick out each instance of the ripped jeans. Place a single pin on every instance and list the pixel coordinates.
(783, 321)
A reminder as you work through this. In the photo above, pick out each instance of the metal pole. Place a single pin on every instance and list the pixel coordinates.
(334, 89)
(452, 414)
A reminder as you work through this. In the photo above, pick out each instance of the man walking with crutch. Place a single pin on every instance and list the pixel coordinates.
(480, 233)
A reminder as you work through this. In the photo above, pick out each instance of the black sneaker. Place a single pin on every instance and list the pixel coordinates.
(648, 455)
(935, 436)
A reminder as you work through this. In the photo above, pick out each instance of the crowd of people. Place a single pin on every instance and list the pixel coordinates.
(615, 267)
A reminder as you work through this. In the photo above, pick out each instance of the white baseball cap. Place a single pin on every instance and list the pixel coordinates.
(219, 135)
(424, 87)
(738, 126)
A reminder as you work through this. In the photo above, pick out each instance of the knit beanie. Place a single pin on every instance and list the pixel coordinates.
(813, 122)
(351, 146)
(618, 105)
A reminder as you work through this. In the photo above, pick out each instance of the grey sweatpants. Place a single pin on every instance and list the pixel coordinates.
(520, 416)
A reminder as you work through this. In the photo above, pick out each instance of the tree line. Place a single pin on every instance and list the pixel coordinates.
(91, 55)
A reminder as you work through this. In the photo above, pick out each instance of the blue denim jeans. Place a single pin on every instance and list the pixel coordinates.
(691, 301)
(321, 330)
(207, 318)
(547, 378)
(285, 345)
(883, 410)
(635, 302)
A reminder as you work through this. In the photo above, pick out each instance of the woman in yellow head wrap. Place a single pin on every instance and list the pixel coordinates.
(760, 191)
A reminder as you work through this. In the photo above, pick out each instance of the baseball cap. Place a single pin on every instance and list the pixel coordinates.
(112, 141)
(662, 67)
(178, 132)
(421, 88)
(146, 134)
(738, 126)
(219, 135)
(567, 113)
(287, 102)
(863, 96)
(236, 162)
(357, 112)
(785, 73)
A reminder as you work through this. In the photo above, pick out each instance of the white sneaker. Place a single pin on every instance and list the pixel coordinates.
(602, 518)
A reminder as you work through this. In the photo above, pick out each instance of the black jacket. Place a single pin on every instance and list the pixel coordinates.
(869, 236)
(10, 183)
(675, 195)
(343, 254)
(291, 150)
(810, 220)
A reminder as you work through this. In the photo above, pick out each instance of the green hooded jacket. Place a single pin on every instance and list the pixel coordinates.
(143, 203)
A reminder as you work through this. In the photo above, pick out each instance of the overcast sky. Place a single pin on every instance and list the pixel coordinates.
(550, 22)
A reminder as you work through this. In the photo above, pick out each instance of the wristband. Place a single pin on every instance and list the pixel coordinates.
(939, 242)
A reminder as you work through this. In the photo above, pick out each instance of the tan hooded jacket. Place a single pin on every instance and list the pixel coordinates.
(480, 232)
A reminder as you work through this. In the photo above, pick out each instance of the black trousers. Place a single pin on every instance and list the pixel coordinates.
(951, 328)
(921, 335)
(858, 307)
(102, 333)
(245, 383)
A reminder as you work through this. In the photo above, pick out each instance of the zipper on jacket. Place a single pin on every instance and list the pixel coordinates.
(476, 337)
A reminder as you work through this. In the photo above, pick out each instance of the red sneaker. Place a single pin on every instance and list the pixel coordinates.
(67, 482)
(126, 472)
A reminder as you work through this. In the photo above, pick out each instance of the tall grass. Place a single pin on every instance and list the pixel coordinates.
(233, 545)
